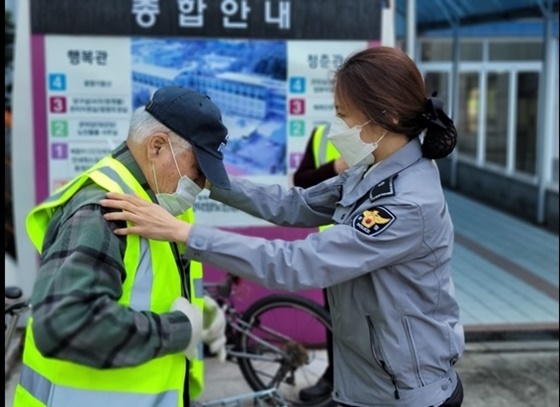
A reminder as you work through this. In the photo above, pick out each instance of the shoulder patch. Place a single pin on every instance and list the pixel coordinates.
(384, 188)
(373, 221)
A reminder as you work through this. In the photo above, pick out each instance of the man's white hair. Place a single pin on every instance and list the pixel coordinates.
(143, 125)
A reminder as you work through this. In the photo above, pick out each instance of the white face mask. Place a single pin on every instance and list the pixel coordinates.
(184, 196)
(350, 145)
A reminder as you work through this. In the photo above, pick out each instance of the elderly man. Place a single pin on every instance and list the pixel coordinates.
(114, 317)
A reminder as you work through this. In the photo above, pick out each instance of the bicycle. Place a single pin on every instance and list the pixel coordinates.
(271, 351)
(14, 306)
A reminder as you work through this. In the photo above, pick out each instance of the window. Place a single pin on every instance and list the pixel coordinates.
(438, 81)
(497, 95)
(442, 51)
(555, 147)
(526, 123)
(516, 51)
(436, 51)
(471, 51)
(468, 109)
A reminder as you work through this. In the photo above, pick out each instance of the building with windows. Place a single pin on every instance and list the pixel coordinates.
(495, 65)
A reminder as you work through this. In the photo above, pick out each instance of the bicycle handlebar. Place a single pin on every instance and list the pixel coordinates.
(15, 307)
(223, 288)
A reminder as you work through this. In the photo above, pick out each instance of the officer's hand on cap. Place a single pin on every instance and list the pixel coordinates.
(194, 314)
(214, 328)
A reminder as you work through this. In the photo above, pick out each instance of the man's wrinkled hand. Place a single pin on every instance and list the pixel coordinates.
(214, 328)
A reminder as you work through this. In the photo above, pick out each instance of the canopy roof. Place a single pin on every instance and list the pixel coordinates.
(438, 14)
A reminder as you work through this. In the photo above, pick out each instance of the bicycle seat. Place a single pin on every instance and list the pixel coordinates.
(12, 292)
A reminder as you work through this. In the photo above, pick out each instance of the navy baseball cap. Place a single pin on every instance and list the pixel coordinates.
(194, 117)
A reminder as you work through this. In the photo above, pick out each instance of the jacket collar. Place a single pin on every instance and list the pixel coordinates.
(356, 187)
(122, 154)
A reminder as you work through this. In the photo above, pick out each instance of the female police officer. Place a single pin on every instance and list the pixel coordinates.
(386, 261)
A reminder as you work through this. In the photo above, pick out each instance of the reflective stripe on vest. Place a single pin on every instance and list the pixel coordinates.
(142, 290)
(51, 394)
(140, 296)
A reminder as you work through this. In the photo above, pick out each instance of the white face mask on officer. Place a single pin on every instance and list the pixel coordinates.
(350, 145)
(184, 196)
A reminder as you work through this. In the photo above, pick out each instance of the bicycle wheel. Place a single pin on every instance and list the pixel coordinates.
(283, 342)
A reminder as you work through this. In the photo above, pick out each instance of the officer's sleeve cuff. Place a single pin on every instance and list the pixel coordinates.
(219, 194)
(199, 242)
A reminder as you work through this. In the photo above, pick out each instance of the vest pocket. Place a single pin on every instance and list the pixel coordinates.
(379, 355)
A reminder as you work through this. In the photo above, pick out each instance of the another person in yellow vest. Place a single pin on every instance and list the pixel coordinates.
(320, 161)
(114, 317)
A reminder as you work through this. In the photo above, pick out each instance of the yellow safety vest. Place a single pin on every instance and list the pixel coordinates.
(323, 151)
(152, 283)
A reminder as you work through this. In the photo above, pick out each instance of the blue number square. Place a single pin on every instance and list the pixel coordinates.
(297, 84)
(57, 81)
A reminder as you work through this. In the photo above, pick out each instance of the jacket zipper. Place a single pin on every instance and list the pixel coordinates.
(413, 354)
(374, 339)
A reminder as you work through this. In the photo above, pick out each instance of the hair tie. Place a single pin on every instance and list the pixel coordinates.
(431, 117)
(441, 134)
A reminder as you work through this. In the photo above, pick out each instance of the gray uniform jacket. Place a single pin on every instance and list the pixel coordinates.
(386, 263)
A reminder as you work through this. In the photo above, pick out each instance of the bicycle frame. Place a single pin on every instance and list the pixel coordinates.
(223, 292)
(263, 398)
(269, 354)
(14, 306)
(242, 327)
(13, 311)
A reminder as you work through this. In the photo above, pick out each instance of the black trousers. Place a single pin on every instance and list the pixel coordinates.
(455, 400)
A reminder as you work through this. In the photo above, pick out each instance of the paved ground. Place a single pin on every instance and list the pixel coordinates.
(512, 374)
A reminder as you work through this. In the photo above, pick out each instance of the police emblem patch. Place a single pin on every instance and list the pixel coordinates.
(373, 221)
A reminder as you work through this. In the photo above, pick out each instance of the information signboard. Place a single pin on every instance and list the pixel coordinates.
(82, 67)
(266, 64)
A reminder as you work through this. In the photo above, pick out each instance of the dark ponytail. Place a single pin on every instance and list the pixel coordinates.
(441, 136)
